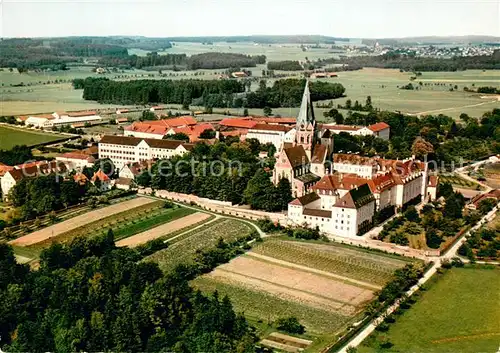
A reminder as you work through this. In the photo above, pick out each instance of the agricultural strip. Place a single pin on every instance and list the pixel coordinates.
(313, 270)
(285, 282)
(257, 305)
(459, 312)
(164, 229)
(183, 249)
(358, 265)
(9, 137)
(77, 225)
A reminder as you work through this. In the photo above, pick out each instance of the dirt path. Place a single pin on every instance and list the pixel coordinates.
(313, 270)
(79, 221)
(164, 229)
(282, 292)
(452, 108)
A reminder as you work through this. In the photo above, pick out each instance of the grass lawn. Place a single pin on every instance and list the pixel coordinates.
(149, 221)
(458, 313)
(459, 182)
(10, 137)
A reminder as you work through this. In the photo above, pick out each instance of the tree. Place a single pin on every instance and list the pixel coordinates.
(260, 193)
(267, 111)
(144, 179)
(421, 147)
(411, 214)
(177, 136)
(284, 192)
(368, 104)
(245, 112)
(290, 325)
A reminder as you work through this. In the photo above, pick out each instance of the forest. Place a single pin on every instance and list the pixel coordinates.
(286, 65)
(91, 296)
(225, 171)
(26, 53)
(158, 91)
(393, 60)
(209, 93)
(223, 61)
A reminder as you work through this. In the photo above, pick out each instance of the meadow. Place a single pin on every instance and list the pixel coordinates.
(11, 136)
(458, 313)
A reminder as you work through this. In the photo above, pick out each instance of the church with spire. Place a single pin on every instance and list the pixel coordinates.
(304, 161)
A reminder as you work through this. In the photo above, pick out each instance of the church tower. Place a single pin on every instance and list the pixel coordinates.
(306, 123)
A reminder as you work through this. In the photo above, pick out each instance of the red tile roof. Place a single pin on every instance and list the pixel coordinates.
(270, 127)
(297, 156)
(379, 127)
(100, 175)
(319, 154)
(194, 131)
(77, 155)
(238, 123)
(433, 181)
(78, 114)
(35, 169)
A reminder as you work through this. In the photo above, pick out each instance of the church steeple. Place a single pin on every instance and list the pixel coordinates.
(306, 113)
(306, 123)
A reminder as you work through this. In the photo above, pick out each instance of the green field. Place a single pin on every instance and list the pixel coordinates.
(459, 182)
(459, 313)
(10, 137)
(369, 267)
(184, 248)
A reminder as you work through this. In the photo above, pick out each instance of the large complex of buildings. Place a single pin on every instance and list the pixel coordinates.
(28, 170)
(61, 118)
(340, 193)
(122, 150)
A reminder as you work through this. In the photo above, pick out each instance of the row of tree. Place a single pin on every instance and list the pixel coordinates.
(285, 65)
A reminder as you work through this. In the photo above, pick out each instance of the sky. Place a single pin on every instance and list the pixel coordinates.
(166, 18)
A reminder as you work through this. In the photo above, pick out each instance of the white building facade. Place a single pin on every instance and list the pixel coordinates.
(122, 150)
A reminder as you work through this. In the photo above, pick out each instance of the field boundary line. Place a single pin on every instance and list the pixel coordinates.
(363, 284)
(343, 304)
(192, 229)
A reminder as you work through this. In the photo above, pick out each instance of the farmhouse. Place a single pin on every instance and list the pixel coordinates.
(62, 118)
(13, 176)
(122, 150)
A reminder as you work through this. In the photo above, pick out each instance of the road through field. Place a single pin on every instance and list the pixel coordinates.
(79, 221)
(164, 229)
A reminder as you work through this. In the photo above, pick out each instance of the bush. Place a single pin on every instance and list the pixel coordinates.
(457, 262)
(290, 325)
(168, 204)
(383, 327)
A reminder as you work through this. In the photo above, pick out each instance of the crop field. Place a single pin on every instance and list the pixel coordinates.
(325, 286)
(492, 174)
(184, 218)
(87, 223)
(367, 267)
(185, 245)
(459, 182)
(10, 137)
(458, 313)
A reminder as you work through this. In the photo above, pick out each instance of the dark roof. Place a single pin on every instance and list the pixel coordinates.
(297, 156)
(308, 178)
(121, 140)
(317, 213)
(134, 141)
(356, 198)
(306, 199)
(271, 127)
(319, 154)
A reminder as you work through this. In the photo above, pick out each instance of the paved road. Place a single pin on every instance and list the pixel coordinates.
(452, 252)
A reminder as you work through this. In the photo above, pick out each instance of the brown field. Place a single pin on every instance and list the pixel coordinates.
(79, 221)
(164, 229)
(285, 342)
(293, 284)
